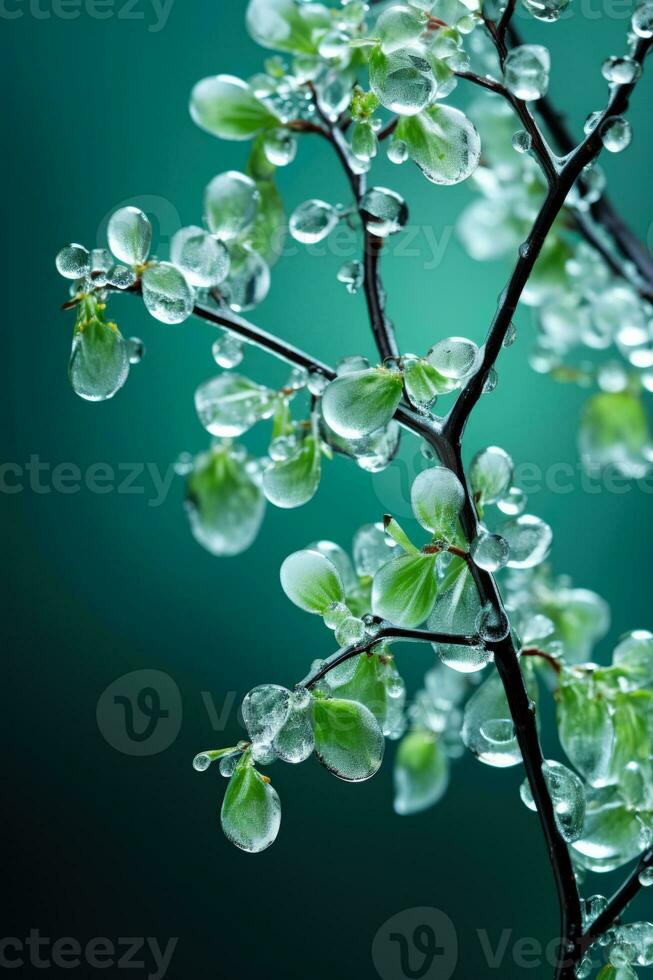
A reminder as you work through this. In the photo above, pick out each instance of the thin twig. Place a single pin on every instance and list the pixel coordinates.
(617, 903)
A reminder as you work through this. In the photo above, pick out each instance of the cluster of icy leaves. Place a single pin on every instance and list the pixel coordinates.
(593, 327)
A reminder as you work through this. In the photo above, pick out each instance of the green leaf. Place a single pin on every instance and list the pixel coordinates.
(403, 590)
(632, 740)
(283, 25)
(443, 143)
(99, 360)
(423, 382)
(226, 107)
(251, 810)
(224, 505)
(367, 686)
(614, 429)
(437, 497)
(612, 834)
(293, 482)
(421, 773)
(358, 404)
(634, 657)
(457, 604)
(311, 581)
(490, 474)
(268, 234)
(585, 730)
(348, 740)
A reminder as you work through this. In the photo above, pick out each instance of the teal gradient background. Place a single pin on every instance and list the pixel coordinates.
(99, 585)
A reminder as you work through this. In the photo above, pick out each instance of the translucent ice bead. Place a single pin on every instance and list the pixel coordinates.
(567, 795)
(397, 151)
(646, 877)
(372, 549)
(453, 357)
(526, 71)
(231, 203)
(547, 10)
(136, 350)
(488, 730)
(350, 631)
(166, 294)
(248, 282)
(280, 147)
(621, 71)
(230, 404)
(490, 551)
(227, 351)
(295, 740)
(312, 221)
(384, 211)
(616, 134)
(73, 262)
(522, 141)
(351, 274)
(203, 259)
(529, 539)
(265, 710)
(403, 80)
(642, 20)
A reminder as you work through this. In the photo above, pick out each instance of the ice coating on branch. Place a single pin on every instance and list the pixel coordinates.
(567, 795)
(384, 211)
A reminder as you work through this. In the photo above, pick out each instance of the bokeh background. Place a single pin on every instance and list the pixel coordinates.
(108, 843)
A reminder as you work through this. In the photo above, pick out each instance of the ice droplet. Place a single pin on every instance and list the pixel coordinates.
(312, 221)
(529, 539)
(384, 211)
(642, 20)
(372, 549)
(136, 350)
(227, 351)
(620, 71)
(231, 203)
(616, 134)
(397, 151)
(526, 71)
(522, 141)
(402, 80)
(166, 294)
(265, 710)
(203, 259)
(490, 551)
(453, 357)
(513, 503)
(230, 404)
(73, 262)
(129, 234)
(248, 282)
(546, 10)
(567, 795)
(646, 877)
(351, 274)
(488, 730)
(280, 147)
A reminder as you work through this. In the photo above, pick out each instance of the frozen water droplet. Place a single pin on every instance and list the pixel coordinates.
(166, 294)
(351, 274)
(248, 282)
(453, 357)
(129, 234)
(227, 764)
(616, 134)
(316, 383)
(642, 20)
(334, 44)
(282, 448)
(546, 10)
(73, 262)
(490, 473)
(514, 502)
(488, 730)
(402, 80)
(136, 349)
(183, 465)
(490, 551)
(511, 335)
(120, 276)
(464, 659)
(372, 549)
(621, 71)
(295, 741)
(384, 211)
(522, 141)
(526, 71)
(230, 404)
(529, 539)
(592, 122)
(612, 376)
(231, 203)
(202, 761)
(265, 710)
(227, 351)
(335, 614)
(397, 151)
(491, 624)
(350, 631)
(297, 379)
(646, 877)
(280, 147)
(312, 221)
(203, 259)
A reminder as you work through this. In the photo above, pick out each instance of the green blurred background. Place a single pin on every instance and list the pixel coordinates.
(100, 585)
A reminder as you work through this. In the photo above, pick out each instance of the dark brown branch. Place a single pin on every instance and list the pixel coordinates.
(395, 633)
(617, 903)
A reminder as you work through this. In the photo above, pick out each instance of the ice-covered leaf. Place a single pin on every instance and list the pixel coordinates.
(421, 773)
(226, 107)
(311, 581)
(585, 730)
(293, 482)
(225, 506)
(251, 810)
(348, 739)
(284, 25)
(99, 360)
(437, 497)
(404, 590)
(358, 404)
(443, 143)
(230, 404)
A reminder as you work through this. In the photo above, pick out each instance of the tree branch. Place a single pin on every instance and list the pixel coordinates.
(395, 633)
(617, 903)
